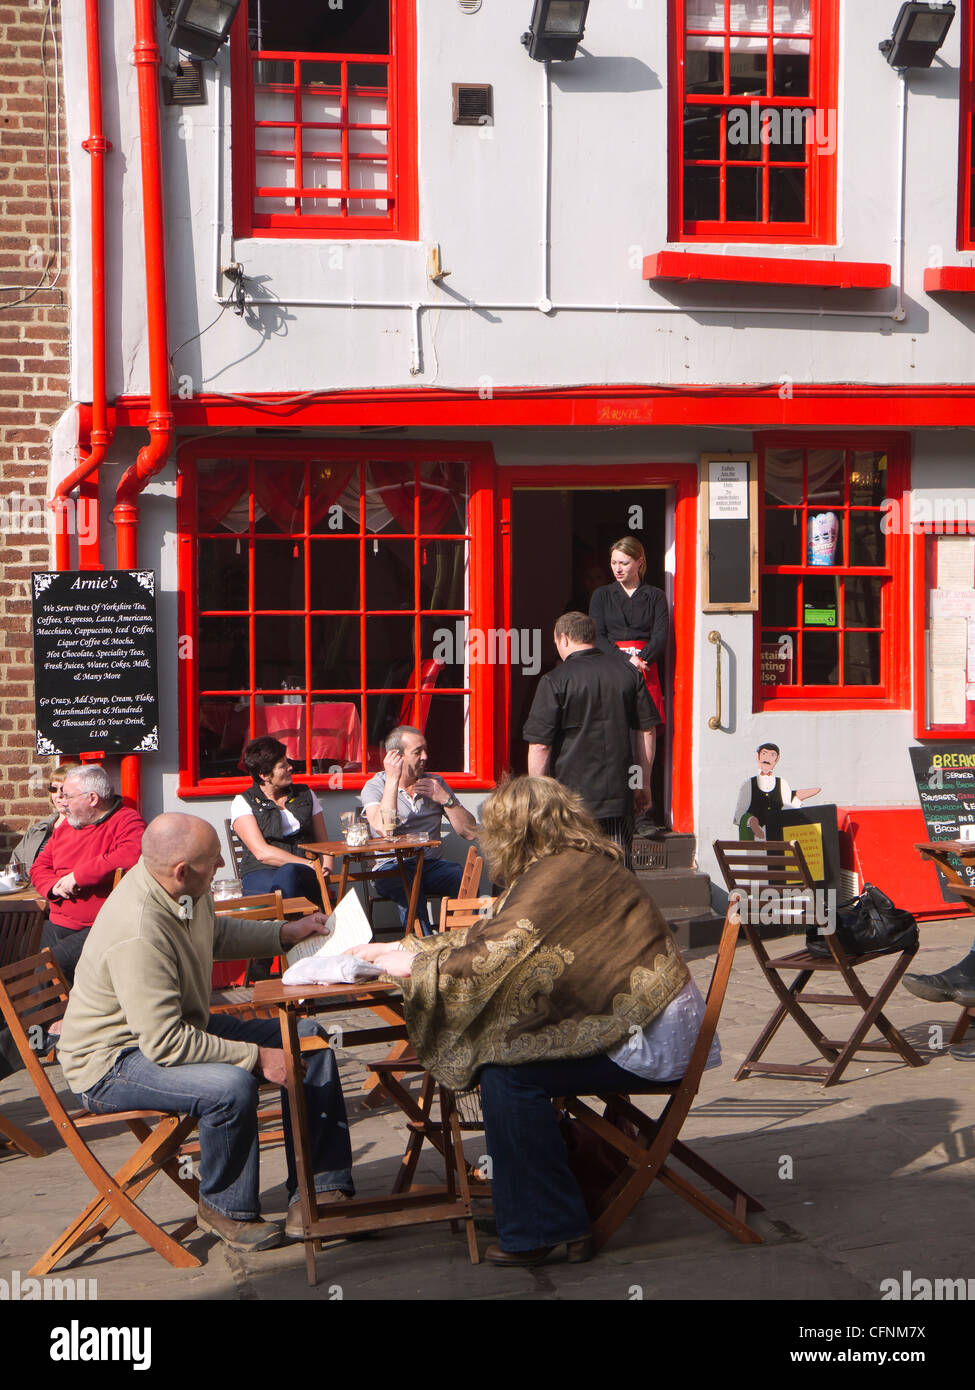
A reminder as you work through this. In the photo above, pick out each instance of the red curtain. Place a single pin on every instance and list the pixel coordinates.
(279, 490)
(220, 483)
(440, 488)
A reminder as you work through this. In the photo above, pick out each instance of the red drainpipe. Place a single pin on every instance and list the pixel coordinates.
(152, 457)
(99, 436)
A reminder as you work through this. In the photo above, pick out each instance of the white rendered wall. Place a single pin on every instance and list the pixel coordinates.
(481, 199)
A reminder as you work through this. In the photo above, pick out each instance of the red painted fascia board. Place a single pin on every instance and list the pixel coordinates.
(833, 406)
(954, 279)
(767, 270)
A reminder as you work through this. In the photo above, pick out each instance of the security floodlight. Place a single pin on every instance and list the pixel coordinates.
(919, 31)
(199, 27)
(557, 27)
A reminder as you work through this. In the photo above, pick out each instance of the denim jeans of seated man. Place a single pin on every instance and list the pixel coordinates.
(537, 1201)
(294, 880)
(224, 1098)
(441, 879)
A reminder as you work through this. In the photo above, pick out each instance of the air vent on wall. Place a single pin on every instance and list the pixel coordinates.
(473, 103)
(186, 88)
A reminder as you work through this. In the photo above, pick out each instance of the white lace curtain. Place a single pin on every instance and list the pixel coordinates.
(789, 17)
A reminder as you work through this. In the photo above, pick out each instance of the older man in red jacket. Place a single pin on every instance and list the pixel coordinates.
(76, 867)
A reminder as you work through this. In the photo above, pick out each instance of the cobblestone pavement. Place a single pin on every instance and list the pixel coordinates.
(860, 1182)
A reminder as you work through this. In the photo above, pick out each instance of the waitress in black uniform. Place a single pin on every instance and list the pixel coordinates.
(632, 616)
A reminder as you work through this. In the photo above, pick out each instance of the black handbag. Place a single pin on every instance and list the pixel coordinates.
(868, 923)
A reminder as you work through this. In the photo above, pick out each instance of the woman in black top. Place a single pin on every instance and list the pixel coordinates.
(632, 617)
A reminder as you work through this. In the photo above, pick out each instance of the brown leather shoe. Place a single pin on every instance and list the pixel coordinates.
(239, 1235)
(577, 1252)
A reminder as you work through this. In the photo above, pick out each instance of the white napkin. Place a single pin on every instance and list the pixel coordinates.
(330, 970)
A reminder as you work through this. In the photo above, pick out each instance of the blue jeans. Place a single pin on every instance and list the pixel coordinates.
(441, 879)
(294, 880)
(537, 1201)
(224, 1098)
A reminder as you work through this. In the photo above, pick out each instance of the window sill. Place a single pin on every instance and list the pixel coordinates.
(950, 279)
(767, 270)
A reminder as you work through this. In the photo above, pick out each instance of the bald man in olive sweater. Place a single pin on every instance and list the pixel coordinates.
(138, 1033)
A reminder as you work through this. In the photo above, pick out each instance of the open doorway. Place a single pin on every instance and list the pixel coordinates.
(560, 544)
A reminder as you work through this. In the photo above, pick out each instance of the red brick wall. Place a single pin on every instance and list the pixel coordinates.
(33, 370)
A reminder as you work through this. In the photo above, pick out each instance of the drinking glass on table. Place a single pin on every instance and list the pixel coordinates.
(355, 830)
(388, 820)
(225, 888)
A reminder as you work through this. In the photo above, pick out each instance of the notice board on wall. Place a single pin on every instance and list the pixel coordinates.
(729, 533)
(944, 568)
(945, 777)
(96, 683)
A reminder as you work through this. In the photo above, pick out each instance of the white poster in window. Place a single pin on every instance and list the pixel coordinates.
(948, 654)
(956, 562)
(728, 489)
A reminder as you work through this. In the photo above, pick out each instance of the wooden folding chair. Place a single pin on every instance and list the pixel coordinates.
(21, 925)
(253, 907)
(32, 996)
(780, 865)
(236, 847)
(470, 879)
(648, 1157)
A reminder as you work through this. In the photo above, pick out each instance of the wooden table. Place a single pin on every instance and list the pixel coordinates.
(449, 1201)
(25, 895)
(399, 848)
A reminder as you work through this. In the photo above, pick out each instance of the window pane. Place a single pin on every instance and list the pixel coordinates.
(791, 17)
(787, 195)
(780, 599)
(279, 654)
(820, 602)
(702, 133)
(821, 658)
(790, 68)
(743, 127)
(783, 537)
(389, 574)
(334, 572)
(824, 539)
(787, 135)
(702, 195)
(221, 495)
(778, 660)
(747, 74)
(223, 574)
(861, 658)
(443, 574)
(320, 28)
(223, 731)
(744, 195)
(783, 476)
(868, 479)
(279, 574)
(445, 726)
(389, 653)
(704, 71)
(827, 476)
(863, 602)
(335, 652)
(443, 497)
(274, 173)
(868, 539)
(749, 14)
(222, 654)
(447, 637)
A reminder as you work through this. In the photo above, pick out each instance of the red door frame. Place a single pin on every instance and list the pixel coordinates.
(683, 478)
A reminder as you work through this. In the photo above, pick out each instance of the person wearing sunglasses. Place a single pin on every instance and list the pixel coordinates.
(36, 836)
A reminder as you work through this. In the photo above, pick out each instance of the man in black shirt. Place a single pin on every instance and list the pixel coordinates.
(580, 729)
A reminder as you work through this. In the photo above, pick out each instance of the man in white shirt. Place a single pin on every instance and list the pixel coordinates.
(765, 793)
(414, 802)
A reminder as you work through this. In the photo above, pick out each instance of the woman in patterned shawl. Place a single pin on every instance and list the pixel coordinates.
(572, 985)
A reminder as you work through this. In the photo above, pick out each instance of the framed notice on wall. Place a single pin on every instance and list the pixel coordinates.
(95, 665)
(729, 533)
(944, 632)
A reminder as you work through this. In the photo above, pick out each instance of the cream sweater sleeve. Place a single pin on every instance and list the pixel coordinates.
(146, 983)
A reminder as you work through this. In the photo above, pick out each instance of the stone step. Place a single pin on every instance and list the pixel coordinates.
(668, 850)
(677, 888)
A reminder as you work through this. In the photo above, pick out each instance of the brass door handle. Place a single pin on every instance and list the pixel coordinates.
(715, 721)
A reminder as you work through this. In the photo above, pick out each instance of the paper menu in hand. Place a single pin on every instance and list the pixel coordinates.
(347, 926)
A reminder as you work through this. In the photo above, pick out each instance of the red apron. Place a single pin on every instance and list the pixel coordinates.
(650, 679)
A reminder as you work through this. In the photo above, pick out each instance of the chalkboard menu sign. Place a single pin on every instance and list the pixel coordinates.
(945, 776)
(95, 668)
(729, 533)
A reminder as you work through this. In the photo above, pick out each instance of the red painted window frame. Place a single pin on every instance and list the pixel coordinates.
(820, 227)
(401, 221)
(922, 729)
(683, 479)
(481, 595)
(894, 691)
(966, 137)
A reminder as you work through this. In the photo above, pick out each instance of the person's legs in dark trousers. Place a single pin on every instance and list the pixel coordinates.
(294, 880)
(441, 879)
(224, 1099)
(66, 946)
(537, 1201)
